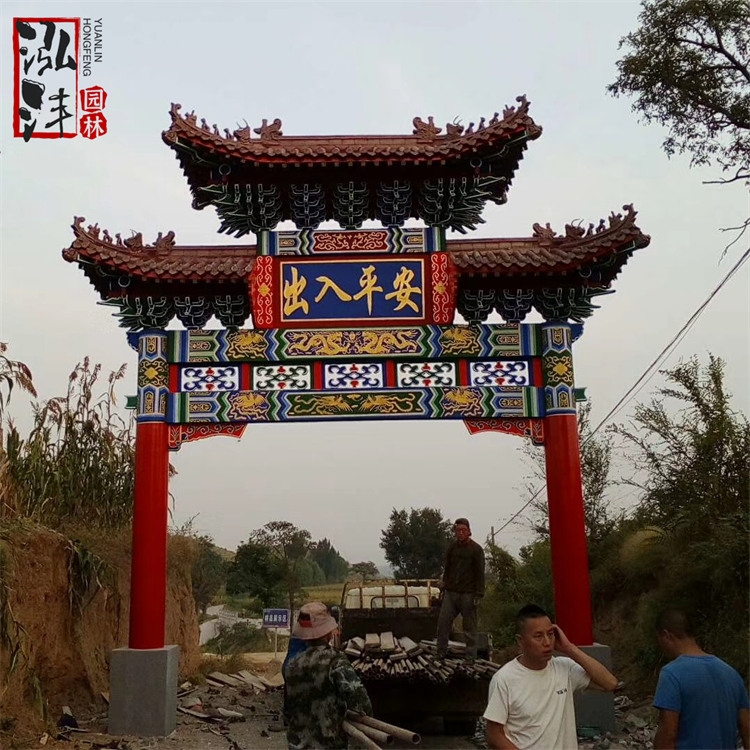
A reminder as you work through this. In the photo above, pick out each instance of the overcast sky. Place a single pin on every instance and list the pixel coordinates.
(335, 68)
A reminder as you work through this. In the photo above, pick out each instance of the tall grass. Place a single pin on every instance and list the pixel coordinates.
(76, 465)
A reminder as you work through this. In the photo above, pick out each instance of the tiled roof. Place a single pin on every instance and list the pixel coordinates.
(426, 143)
(544, 252)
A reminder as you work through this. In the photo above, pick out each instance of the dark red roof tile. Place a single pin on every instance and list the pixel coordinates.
(543, 253)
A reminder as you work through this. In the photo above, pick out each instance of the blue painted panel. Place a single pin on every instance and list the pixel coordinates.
(345, 290)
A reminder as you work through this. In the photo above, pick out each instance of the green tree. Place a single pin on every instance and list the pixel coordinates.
(366, 570)
(511, 584)
(692, 469)
(255, 571)
(333, 565)
(415, 542)
(311, 574)
(289, 546)
(596, 459)
(209, 573)
(687, 68)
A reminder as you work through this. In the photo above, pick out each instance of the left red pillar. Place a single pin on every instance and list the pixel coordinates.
(148, 586)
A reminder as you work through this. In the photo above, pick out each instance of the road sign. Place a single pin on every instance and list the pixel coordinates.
(275, 618)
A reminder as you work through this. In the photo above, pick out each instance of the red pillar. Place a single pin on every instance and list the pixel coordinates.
(148, 587)
(567, 530)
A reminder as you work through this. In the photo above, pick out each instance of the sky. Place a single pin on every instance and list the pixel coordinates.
(364, 68)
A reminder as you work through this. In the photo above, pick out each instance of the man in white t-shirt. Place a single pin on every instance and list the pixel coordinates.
(530, 703)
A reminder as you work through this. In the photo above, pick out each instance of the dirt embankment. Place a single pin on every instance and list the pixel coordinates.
(64, 607)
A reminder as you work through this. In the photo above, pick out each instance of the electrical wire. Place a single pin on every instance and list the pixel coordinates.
(647, 374)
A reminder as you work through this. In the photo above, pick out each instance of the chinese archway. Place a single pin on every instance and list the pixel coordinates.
(355, 323)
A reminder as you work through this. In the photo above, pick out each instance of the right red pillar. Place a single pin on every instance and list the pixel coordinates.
(567, 529)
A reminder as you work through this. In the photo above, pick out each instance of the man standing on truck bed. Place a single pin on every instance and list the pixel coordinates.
(320, 686)
(463, 584)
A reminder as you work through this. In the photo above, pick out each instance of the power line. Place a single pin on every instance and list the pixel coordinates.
(648, 373)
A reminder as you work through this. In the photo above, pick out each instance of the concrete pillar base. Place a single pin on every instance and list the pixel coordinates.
(143, 691)
(595, 709)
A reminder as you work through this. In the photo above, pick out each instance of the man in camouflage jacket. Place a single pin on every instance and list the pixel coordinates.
(320, 686)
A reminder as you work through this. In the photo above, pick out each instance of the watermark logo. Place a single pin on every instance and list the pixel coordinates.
(93, 123)
(47, 57)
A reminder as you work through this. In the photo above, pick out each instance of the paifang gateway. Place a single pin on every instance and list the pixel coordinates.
(349, 324)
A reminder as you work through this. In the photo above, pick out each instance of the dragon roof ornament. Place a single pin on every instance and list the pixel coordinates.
(426, 138)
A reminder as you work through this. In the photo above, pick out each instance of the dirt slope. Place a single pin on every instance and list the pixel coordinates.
(65, 608)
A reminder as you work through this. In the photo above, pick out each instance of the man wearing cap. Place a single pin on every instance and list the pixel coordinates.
(320, 685)
(463, 585)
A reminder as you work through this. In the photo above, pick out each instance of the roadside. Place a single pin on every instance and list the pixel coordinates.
(244, 712)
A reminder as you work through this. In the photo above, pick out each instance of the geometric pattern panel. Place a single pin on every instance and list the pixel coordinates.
(219, 378)
(336, 375)
(426, 374)
(385, 240)
(354, 376)
(499, 373)
(487, 341)
(413, 403)
(289, 377)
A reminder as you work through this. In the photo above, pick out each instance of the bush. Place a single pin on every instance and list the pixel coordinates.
(238, 639)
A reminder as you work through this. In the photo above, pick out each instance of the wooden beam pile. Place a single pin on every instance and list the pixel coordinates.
(381, 656)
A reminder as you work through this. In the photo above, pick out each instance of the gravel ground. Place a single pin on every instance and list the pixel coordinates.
(260, 727)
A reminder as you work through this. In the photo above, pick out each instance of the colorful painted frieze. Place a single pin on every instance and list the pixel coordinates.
(481, 342)
(557, 364)
(153, 376)
(366, 290)
(385, 240)
(355, 375)
(300, 406)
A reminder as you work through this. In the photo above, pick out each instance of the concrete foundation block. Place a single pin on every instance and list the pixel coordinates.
(143, 691)
(595, 709)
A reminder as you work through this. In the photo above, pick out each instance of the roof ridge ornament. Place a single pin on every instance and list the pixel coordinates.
(574, 231)
(268, 132)
(163, 242)
(425, 131)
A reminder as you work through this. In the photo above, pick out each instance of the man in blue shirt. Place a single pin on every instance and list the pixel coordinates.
(702, 701)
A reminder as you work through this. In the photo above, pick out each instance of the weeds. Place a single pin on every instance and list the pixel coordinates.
(87, 574)
(77, 463)
(12, 633)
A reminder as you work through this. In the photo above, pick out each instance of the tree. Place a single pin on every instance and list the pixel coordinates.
(415, 542)
(333, 565)
(687, 67)
(692, 470)
(289, 546)
(310, 573)
(596, 458)
(255, 571)
(208, 574)
(366, 570)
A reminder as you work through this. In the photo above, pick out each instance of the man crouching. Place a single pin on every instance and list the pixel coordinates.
(320, 686)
